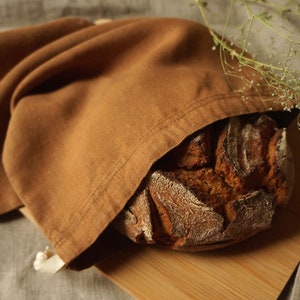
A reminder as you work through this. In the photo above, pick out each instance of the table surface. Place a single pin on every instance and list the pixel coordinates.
(257, 268)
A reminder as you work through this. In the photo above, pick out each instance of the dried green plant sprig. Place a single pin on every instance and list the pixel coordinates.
(276, 69)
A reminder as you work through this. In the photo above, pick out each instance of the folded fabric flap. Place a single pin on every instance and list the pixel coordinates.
(15, 45)
(95, 109)
(18, 43)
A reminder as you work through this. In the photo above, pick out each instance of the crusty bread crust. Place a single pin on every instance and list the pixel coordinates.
(218, 187)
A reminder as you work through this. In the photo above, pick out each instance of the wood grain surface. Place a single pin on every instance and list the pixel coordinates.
(257, 268)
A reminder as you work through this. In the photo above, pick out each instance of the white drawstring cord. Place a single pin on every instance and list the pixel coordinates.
(48, 262)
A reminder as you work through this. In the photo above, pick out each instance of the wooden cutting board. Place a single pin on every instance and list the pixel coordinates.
(257, 268)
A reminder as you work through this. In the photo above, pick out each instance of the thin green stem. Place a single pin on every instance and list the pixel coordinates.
(281, 81)
(248, 36)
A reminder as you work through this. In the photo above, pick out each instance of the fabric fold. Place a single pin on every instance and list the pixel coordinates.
(88, 109)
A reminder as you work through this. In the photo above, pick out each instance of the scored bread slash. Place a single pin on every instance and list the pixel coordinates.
(281, 172)
(136, 221)
(241, 152)
(218, 187)
(180, 213)
(191, 153)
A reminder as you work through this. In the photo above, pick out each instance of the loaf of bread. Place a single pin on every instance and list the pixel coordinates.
(218, 187)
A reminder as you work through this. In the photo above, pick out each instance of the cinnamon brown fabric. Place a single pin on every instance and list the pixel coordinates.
(86, 110)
